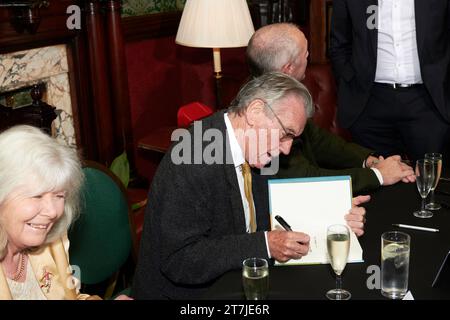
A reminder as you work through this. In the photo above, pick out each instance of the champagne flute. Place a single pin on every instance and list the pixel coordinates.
(436, 158)
(424, 180)
(338, 245)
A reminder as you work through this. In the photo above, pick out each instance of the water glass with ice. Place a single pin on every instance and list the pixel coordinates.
(395, 248)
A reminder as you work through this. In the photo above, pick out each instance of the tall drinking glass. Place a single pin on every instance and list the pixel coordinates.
(394, 264)
(255, 278)
(436, 158)
(424, 180)
(338, 245)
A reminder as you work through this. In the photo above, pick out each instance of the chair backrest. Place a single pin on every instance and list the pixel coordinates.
(100, 240)
(191, 112)
(321, 84)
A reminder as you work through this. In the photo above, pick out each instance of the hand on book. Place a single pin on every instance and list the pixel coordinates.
(286, 245)
(356, 216)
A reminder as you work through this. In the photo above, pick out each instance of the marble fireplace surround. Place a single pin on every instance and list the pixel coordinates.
(49, 65)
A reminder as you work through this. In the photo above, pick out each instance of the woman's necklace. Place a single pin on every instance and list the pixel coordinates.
(20, 268)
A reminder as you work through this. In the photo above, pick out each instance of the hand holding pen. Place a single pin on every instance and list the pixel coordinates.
(284, 246)
(285, 225)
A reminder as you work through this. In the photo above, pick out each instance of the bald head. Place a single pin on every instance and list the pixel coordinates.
(278, 47)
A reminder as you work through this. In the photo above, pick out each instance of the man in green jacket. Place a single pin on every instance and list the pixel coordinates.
(283, 47)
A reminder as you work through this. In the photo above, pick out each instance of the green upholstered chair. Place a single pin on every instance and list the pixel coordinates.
(101, 238)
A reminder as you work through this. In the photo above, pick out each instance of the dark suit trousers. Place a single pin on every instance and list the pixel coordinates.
(401, 121)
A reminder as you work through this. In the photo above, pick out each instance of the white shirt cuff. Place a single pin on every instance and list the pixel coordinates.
(267, 245)
(378, 174)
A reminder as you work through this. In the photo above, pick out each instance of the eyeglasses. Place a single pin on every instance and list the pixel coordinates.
(287, 135)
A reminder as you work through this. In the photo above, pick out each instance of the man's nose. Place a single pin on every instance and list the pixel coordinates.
(285, 147)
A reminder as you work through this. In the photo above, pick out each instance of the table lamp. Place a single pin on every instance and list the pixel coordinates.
(215, 24)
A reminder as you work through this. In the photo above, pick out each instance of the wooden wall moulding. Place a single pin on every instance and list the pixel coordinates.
(318, 30)
(25, 14)
(151, 26)
(52, 28)
(38, 113)
(101, 110)
(119, 78)
(97, 80)
(53, 31)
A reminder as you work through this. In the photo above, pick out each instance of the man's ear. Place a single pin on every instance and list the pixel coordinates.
(254, 111)
(287, 69)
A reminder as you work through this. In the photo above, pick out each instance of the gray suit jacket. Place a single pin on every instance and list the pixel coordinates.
(194, 229)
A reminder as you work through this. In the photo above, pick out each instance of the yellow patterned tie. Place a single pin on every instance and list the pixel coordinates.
(247, 174)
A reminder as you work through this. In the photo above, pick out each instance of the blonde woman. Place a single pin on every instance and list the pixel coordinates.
(40, 181)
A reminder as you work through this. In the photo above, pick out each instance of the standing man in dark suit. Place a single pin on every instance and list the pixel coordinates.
(200, 221)
(283, 47)
(391, 60)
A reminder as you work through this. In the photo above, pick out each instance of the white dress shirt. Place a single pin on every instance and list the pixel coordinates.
(377, 173)
(397, 56)
(238, 160)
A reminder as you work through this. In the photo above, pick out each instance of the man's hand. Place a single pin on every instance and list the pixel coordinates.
(356, 216)
(286, 245)
(371, 161)
(410, 178)
(393, 170)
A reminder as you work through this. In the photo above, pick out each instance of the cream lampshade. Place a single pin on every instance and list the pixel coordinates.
(215, 24)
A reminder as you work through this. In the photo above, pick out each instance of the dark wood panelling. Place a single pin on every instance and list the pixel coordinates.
(89, 70)
(119, 78)
(83, 117)
(100, 83)
(52, 31)
(52, 28)
(318, 31)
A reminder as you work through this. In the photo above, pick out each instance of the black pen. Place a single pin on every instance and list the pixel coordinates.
(283, 223)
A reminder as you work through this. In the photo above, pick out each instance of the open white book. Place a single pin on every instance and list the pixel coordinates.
(310, 205)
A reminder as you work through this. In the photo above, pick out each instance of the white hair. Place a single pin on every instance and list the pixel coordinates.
(27, 156)
(271, 87)
(273, 46)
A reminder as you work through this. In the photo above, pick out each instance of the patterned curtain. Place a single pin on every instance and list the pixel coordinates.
(142, 7)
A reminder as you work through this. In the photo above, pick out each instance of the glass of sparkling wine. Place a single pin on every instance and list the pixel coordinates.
(338, 244)
(424, 181)
(436, 158)
(255, 278)
(395, 248)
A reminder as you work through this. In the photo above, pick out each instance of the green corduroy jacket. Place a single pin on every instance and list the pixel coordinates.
(321, 153)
